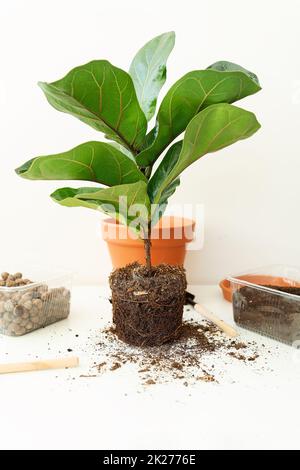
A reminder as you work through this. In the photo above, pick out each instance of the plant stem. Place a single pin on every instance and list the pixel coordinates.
(148, 171)
(147, 246)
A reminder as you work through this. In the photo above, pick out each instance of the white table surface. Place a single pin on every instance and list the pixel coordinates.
(253, 407)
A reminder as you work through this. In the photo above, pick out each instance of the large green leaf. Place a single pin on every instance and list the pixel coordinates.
(102, 96)
(212, 129)
(125, 202)
(225, 66)
(148, 70)
(123, 150)
(160, 206)
(91, 161)
(162, 172)
(70, 197)
(187, 97)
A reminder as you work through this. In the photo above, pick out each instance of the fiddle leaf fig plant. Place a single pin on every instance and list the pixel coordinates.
(120, 104)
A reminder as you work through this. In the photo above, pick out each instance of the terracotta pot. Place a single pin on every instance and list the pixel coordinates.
(169, 239)
(254, 279)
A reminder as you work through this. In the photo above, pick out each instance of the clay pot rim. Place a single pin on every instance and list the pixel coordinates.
(245, 280)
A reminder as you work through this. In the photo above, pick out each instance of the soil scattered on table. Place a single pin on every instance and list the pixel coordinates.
(240, 357)
(238, 346)
(188, 359)
(115, 366)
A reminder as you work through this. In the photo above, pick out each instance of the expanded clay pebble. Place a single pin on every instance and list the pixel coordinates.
(13, 280)
(29, 308)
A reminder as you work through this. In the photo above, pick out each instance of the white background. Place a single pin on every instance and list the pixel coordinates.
(251, 190)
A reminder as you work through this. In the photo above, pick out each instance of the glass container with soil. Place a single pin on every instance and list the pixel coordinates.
(267, 301)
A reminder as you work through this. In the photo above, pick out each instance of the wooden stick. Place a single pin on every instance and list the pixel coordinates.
(63, 363)
(229, 330)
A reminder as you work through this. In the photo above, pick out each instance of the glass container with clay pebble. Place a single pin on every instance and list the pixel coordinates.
(33, 299)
